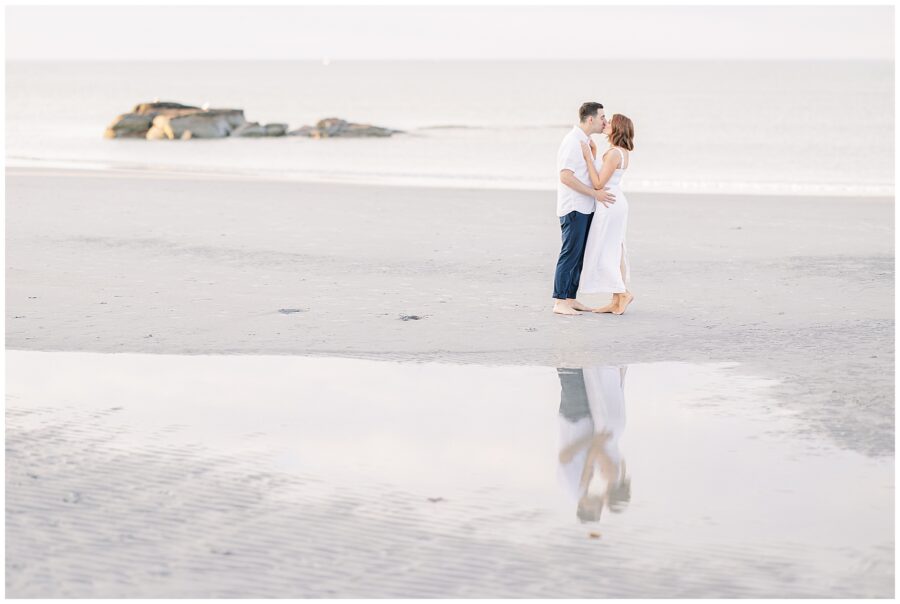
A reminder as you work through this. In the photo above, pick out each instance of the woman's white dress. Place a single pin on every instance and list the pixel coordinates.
(605, 248)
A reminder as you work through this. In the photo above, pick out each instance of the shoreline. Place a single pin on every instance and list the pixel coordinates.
(98, 168)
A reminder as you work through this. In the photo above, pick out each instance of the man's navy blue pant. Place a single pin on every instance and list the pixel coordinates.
(574, 227)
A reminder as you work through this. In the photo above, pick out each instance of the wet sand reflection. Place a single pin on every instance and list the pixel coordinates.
(591, 422)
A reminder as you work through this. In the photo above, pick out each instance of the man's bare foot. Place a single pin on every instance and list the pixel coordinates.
(561, 308)
(577, 305)
(624, 300)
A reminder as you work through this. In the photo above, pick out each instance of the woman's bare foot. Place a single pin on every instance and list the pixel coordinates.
(560, 307)
(609, 307)
(624, 300)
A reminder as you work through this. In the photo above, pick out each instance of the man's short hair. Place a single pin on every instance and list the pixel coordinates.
(589, 109)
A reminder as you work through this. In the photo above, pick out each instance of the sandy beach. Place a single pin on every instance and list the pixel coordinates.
(323, 376)
(797, 289)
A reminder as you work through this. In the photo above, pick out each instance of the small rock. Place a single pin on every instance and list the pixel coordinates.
(160, 106)
(276, 129)
(302, 131)
(250, 129)
(411, 317)
(287, 311)
(73, 497)
(203, 124)
(149, 335)
(335, 127)
(129, 125)
(594, 535)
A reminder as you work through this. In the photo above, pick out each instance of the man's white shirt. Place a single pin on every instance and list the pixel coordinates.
(570, 157)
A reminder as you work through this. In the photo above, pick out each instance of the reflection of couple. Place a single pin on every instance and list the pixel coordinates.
(593, 213)
(591, 421)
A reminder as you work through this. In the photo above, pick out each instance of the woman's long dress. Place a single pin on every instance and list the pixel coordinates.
(605, 249)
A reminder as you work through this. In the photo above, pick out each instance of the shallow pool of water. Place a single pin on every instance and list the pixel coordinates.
(170, 476)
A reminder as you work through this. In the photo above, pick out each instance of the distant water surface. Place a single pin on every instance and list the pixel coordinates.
(704, 127)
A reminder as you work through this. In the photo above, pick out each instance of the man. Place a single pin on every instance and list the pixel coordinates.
(575, 207)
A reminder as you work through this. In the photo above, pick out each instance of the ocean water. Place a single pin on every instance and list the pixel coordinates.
(823, 128)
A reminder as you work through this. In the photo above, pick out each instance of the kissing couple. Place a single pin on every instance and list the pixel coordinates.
(593, 213)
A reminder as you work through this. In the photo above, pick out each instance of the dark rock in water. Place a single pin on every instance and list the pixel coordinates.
(302, 131)
(411, 317)
(233, 117)
(156, 107)
(250, 129)
(140, 121)
(173, 121)
(287, 311)
(170, 121)
(196, 125)
(129, 125)
(276, 129)
(333, 127)
(257, 129)
(336, 127)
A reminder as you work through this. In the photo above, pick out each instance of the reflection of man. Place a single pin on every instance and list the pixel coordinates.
(591, 418)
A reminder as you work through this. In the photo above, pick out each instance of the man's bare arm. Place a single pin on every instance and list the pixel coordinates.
(568, 178)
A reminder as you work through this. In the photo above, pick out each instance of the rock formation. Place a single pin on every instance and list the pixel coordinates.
(173, 121)
(334, 127)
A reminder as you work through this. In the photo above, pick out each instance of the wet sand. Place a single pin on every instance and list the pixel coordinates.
(286, 476)
(798, 290)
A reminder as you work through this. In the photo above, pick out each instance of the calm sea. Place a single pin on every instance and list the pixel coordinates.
(703, 127)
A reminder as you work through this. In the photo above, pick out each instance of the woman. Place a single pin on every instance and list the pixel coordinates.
(605, 259)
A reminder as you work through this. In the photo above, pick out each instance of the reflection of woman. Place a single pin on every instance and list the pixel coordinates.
(592, 418)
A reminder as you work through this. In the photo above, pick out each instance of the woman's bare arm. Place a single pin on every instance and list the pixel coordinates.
(610, 162)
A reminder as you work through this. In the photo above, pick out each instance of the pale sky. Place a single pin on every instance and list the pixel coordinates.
(458, 32)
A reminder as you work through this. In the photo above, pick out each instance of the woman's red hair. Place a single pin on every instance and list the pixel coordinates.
(622, 132)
